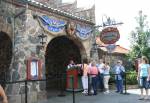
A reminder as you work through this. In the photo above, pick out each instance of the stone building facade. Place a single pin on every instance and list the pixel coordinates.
(117, 53)
(87, 13)
(22, 22)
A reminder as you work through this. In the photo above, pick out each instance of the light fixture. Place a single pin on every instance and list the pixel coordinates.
(43, 39)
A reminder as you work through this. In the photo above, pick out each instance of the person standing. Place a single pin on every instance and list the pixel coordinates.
(90, 88)
(106, 77)
(71, 64)
(3, 95)
(100, 67)
(143, 76)
(93, 71)
(118, 77)
(84, 68)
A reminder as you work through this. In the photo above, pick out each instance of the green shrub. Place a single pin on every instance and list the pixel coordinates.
(112, 79)
(131, 77)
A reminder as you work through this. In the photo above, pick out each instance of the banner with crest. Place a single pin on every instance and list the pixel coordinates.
(83, 31)
(51, 24)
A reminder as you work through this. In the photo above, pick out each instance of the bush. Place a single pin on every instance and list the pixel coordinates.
(112, 79)
(131, 77)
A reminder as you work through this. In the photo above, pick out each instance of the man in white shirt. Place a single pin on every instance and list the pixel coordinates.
(100, 75)
(71, 64)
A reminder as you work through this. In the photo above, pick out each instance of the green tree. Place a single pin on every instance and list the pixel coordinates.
(97, 32)
(139, 38)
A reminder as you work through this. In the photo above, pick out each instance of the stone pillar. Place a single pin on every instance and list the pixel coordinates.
(26, 31)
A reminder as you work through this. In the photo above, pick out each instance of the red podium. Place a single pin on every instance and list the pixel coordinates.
(73, 78)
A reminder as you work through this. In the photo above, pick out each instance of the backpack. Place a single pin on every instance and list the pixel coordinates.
(122, 73)
(80, 70)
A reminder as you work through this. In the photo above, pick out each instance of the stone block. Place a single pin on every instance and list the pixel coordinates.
(1, 24)
(9, 30)
(14, 99)
(4, 27)
(32, 31)
(31, 97)
(42, 95)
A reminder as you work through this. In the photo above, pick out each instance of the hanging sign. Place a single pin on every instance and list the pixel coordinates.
(52, 24)
(83, 32)
(109, 35)
(110, 48)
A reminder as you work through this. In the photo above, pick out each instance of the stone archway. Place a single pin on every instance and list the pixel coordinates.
(5, 55)
(58, 53)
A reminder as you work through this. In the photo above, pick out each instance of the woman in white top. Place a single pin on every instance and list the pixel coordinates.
(84, 68)
(106, 74)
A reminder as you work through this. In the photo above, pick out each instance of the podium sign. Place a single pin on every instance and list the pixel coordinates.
(75, 82)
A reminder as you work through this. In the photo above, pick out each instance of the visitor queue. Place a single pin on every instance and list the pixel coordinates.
(99, 75)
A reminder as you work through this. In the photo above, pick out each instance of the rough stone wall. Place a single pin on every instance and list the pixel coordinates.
(15, 27)
(6, 21)
(24, 31)
(20, 27)
(71, 8)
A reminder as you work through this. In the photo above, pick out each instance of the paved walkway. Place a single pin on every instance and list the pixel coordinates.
(100, 98)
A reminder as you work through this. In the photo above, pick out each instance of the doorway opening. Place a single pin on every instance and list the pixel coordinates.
(59, 52)
(5, 56)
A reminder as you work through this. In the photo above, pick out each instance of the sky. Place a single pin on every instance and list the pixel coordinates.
(121, 11)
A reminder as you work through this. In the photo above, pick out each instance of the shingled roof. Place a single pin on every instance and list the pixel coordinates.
(52, 10)
(118, 49)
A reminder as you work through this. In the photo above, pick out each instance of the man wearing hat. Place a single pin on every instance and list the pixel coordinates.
(118, 77)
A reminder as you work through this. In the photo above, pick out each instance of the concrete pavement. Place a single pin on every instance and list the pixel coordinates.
(100, 98)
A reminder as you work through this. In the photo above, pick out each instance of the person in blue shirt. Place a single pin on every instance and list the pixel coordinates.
(143, 76)
(118, 68)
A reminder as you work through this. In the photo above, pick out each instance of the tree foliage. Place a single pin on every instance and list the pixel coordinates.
(139, 38)
(97, 32)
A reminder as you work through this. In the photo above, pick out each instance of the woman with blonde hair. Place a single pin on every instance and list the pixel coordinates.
(143, 76)
(106, 77)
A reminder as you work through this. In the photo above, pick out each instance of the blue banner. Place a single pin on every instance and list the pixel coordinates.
(83, 32)
(53, 25)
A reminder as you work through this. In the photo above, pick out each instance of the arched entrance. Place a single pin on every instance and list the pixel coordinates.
(58, 53)
(5, 55)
